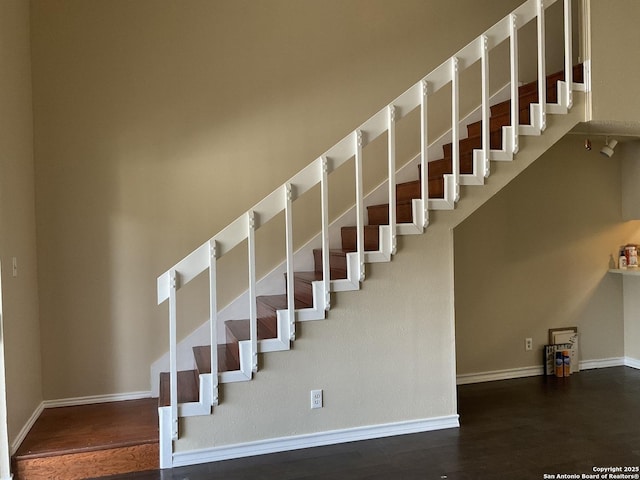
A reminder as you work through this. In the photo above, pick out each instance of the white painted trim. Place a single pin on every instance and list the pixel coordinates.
(297, 442)
(467, 378)
(114, 397)
(511, 373)
(25, 429)
(602, 363)
(632, 362)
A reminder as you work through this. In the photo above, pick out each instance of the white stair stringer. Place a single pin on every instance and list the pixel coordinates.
(477, 177)
(534, 129)
(417, 226)
(203, 405)
(352, 282)
(506, 154)
(383, 254)
(448, 202)
(283, 341)
(562, 107)
(246, 372)
(318, 311)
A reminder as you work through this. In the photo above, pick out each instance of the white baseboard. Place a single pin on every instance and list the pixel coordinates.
(313, 440)
(25, 429)
(632, 362)
(602, 363)
(115, 397)
(466, 378)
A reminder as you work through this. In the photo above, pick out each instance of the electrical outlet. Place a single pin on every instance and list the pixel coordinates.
(528, 344)
(316, 398)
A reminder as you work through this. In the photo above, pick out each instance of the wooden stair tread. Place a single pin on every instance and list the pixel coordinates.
(308, 277)
(87, 428)
(102, 439)
(279, 302)
(188, 387)
(241, 329)
(227, 358)
(386, 205)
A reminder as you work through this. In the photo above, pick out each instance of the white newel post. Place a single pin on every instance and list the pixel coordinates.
(359, 206)
(486, 107)
(288, 216)
(213, 327)
(568, 53)
(424, 153)
(515, 98)
(253, 308)
(542, 74)
(455, 127)
(391, 144)
(326, 267)
(173, 357)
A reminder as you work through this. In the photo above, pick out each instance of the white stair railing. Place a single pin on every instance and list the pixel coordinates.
(318, 171)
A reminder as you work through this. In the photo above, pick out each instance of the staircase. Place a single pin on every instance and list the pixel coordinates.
(270, 325)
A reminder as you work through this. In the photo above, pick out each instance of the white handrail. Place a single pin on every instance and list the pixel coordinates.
(351, 146)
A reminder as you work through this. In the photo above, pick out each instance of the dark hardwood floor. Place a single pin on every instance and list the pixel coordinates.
(512, 429)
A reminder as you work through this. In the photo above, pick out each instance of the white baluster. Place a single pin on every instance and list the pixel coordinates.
(213, 327)
(424, 156)
(253, 308)
(486, 110)
(288, 215)
(359, 206)
(326, 267)
(542, 74)
(173, 358)
(568, 53)
(515, 99)
(392, 178)
(455, 127)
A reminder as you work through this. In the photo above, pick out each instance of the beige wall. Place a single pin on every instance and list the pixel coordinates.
(17, 222)
(375, 343)
(630, 179)
(614, 36)
(631, 288)
(158, 123)
(555, 231)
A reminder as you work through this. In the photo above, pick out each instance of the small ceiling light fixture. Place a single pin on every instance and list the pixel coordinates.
(607, 150)
(587, 144)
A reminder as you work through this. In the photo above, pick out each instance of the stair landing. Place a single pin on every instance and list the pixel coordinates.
(87, 441)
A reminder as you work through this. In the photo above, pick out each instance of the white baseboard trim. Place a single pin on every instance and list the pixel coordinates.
(467, 378)
(632, 362)
(115, 397)
(25, 429)
(602, 363)
(312, 440)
